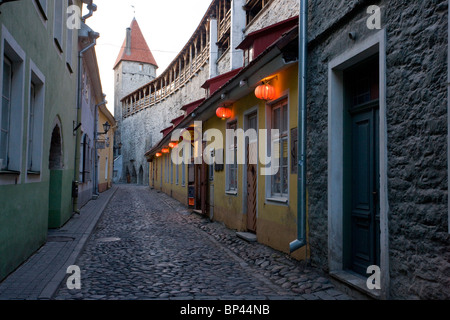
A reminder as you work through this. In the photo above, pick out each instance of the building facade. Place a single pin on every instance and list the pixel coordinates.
(211, 51)
(135, 66)
(105, 149)
(377, 134)
(39, 83)
(377, 131)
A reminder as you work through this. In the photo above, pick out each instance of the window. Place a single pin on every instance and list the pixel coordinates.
(141, 67)
(232, 168)
(85, 159)
(58, 24)
(160, 181)
(279, 183)
(5, 114)
(171, 169)
(35, 121)
(106, 168)
(11, 113)
(177, 174)
(253, 7)
(183, 174)
(248, 55)
(167, 169)
(69, 42)
(42, 8)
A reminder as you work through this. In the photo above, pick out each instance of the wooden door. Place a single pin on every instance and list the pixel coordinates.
(365, 211)
(251, 176)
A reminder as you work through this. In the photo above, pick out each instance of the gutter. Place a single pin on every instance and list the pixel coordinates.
(91, 35)
(302, 132)
(96, 116)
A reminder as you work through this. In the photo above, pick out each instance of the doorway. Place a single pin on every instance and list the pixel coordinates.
(251, 122)
(141, 176)
(55, 165)
(361, 161)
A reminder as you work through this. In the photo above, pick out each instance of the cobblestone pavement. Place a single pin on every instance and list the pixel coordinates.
(148, 246)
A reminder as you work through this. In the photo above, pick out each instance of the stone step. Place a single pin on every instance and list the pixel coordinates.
(247, 236)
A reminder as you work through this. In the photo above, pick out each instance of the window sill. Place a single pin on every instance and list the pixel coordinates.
(34, 173)
(4, 172)
(279, 200)
(231, 193)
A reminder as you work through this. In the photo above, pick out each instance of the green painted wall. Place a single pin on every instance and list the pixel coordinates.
(24, 207)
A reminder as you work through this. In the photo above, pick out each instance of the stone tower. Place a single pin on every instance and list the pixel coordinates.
(135, 66)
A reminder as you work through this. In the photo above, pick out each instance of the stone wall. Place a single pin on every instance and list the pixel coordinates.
(128, 77)
(416, 53)
(223, 63)
(142, 130)
(276, 11)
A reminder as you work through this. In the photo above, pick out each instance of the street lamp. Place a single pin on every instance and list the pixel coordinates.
(106, 127)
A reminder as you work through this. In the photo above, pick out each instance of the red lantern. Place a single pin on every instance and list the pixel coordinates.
(223, 113)
(158, 154)
(265, 92)
(173, 145)
(165, 150)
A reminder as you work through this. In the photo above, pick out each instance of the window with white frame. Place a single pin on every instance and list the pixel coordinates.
(279, 121)
(58, 24)
(11, 113)
(177, 174)
(5, 114)
(232, 168)
(35, 122)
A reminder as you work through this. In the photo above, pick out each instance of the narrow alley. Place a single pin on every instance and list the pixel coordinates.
(149, 246)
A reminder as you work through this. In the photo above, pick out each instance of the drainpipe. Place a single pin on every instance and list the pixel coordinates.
(95, 144)
(92, 8)
(94, 36)
(302, 132)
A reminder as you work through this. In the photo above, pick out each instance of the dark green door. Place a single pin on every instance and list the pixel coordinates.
(365, 213)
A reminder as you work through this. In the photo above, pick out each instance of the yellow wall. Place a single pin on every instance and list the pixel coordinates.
(105, 183)
(177, 191)
(276, 222)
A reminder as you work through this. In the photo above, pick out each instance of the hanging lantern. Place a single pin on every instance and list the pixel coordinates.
(158, 154)
(173, 145)
(165, 150)
(265, 92)
(223, 113)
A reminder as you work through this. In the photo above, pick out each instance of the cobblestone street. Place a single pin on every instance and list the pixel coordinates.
(148, 246)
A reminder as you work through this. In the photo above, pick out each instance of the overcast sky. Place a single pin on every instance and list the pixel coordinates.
(167, 25)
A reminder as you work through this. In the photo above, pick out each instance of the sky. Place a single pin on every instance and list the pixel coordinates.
(167, 25)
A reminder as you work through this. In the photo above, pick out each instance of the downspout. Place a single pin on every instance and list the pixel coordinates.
(302, 132)
(95, 144)
(94, 36)
(92, 8)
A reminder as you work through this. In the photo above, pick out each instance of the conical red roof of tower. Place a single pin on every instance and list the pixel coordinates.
(140, 52)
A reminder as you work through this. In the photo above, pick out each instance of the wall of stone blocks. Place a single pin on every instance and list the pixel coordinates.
(416, 57)
(142, 130)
